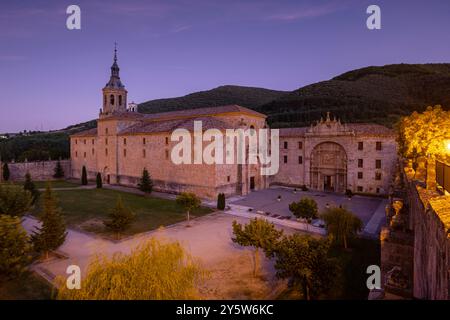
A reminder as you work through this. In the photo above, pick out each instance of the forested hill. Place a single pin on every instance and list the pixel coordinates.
(372, 94)
(224, 95)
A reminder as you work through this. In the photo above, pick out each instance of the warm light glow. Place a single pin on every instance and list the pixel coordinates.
(448, 146)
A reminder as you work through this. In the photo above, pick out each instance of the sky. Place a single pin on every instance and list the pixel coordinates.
(51, 77)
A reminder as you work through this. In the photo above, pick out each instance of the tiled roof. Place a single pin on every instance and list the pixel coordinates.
(293, 132)
(86, 133)
(170, 125)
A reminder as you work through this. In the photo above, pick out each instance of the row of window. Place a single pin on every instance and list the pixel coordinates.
(377, 175)
(378, 145)
(377, 163)
(144, 153)
(300, 159)
(112, 100)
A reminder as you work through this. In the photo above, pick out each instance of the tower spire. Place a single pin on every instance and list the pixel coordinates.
(115, 51)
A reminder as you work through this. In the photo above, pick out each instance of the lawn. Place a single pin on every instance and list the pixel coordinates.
(87, 209)
(26, 287)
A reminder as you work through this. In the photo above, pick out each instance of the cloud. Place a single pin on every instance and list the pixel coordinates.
(305, 12)
(178, 29)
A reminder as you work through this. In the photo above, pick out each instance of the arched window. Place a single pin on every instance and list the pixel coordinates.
(104, 100)
(111, 99)
(120, 100)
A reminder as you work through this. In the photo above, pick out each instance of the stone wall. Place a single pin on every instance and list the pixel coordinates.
(39, 171)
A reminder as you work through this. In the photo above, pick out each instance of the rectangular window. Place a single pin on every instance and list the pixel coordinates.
(143, 140)
(360, 175)
(300, 160)
(84, 141)
(76, 154)
(360, 145)
(76, 141)
(378, 190)
(360, 163)
(124, 152)
(300, 145)
(167, 141)
(167, 154)
(377, 175)
(378, 145)
(93, 151)
(106, 131)
(106, 151)
(285, 144)
(106, 141)
(359, 188)
(84, 155)
(93, 141)
(285, 159)
(378, 164)
(124, 141)
(143, 153)
(228, 178)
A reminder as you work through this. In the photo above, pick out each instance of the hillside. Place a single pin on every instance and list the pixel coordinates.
(244, 96)
(372, 94)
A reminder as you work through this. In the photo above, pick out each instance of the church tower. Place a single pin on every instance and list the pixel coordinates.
(114, 93)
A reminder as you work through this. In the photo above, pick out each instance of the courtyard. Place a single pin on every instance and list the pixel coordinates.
(266, 201)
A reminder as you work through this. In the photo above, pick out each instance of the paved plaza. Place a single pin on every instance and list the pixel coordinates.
(266, 201)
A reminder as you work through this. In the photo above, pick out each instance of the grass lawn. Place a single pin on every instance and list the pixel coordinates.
(26, 287)
(86, 209)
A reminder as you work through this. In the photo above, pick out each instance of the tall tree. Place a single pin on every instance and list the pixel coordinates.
(6, 172)
(189, 201)
(221, 201)
(99, 181)
(120, 218)
(306, 208)
(152, 271)
(14, 246)
(307, 263)
(259, 234)
(341, 224)
(59, 171)
(14, 200)
(30, 187)
(146, 183)
(52, 232)
(84, 179)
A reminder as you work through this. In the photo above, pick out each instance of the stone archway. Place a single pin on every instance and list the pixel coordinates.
(106, 177)
(328, 170)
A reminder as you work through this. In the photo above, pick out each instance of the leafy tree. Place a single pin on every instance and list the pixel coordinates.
(14, 200)
(99, 181)
(221, 201)
(259, 234)
(306, 208)
(30, 187)
(84, 179)
(59, 171)
(14, 246)
(146, 184)
(307, 263)
(426, 133)
(120, 218)
(341, 224)
(6, 172)
(52, 232)
(189, 201)
(152, 271)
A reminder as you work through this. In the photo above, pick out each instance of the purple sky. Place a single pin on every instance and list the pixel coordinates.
(51, 77)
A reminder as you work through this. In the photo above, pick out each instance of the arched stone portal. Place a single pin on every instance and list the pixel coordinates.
(328, 170)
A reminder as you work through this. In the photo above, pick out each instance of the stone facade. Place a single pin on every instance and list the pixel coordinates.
(39, 171)
(325, 156)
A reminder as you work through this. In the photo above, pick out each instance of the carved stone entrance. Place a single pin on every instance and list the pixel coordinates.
(328, 170)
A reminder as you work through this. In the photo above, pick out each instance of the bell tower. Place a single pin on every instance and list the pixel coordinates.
(114, 93)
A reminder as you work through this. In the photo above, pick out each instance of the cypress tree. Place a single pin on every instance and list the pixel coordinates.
(146, 184)
(29, 186)
(6, 172)
(59, 171)
(52, 232)
(221, 201)
(84, 180)
(120, 218)
(99, 181)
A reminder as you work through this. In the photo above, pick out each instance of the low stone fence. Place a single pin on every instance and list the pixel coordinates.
(39, 170)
